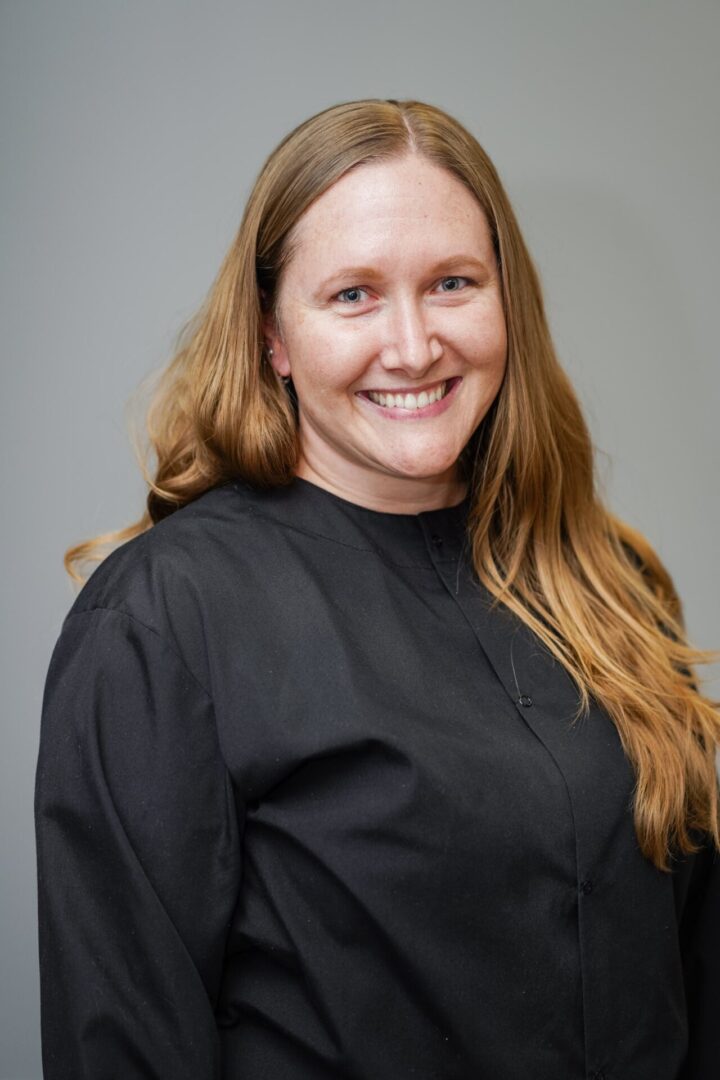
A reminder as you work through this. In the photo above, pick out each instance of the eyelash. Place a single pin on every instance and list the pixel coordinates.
(358, 288)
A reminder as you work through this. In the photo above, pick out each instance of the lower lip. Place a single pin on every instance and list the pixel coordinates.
(396, 412)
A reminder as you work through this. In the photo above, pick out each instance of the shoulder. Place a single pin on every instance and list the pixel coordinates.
(174, 582)
(159, 577)
(220, 563)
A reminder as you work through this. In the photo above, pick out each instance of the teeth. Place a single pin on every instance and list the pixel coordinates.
(409, 401)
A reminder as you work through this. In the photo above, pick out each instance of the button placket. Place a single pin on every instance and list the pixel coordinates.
(584, 751)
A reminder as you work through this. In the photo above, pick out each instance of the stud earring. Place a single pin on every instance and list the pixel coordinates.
(269, 352)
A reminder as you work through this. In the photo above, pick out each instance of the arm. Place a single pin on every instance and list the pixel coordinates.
(137, 856)
(700, 942)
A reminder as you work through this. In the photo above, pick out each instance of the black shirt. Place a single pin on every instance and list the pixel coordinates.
(306, 808)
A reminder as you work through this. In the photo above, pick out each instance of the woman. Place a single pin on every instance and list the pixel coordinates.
(379, 754)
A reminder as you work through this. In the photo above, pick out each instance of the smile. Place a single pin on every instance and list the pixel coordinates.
(429, 401)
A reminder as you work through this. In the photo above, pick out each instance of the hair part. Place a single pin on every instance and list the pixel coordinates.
(542, 540)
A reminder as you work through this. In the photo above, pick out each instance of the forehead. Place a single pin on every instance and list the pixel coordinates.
(406, 204)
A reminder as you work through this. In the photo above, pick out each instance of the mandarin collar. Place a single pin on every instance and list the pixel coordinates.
(405, 538)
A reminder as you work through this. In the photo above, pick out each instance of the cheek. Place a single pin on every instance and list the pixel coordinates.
(485, 348)
(329, 359)
(478, 331)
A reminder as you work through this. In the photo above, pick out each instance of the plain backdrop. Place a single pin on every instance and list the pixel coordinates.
(131, 132)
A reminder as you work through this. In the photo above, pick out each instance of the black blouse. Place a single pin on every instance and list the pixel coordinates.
(306, 808)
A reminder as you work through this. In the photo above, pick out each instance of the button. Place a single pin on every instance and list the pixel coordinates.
(525, 700)
(587, 887)
(598, 1075)
(437, 540)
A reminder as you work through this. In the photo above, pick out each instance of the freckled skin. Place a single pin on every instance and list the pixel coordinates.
(401, 327)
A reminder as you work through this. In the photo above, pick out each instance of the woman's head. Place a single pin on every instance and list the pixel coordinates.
(391, 298)
(350, 186)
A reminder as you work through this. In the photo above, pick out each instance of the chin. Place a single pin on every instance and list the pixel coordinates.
(420, 468)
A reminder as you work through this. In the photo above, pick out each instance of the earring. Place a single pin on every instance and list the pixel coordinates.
(269, 352)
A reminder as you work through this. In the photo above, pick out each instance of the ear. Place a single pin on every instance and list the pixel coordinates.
(279, 359)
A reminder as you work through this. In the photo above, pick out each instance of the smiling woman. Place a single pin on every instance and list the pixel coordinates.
(376, 749)
(363, 344)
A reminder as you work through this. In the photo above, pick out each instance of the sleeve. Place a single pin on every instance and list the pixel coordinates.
(137, 857)
(700, 942)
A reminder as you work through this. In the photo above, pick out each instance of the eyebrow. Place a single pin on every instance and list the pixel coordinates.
(368, 273)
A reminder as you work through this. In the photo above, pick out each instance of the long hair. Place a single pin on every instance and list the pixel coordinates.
(543, 542)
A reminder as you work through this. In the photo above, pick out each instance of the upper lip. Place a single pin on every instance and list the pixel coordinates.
(406, 389)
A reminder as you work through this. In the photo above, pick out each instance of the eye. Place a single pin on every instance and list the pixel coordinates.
(454, 280)
(351, 293)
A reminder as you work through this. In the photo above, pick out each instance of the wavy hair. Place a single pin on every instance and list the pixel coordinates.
(542, 540)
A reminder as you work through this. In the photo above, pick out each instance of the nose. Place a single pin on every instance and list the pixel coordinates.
(410, 344)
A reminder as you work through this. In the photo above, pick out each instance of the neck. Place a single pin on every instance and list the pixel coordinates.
(387, 494)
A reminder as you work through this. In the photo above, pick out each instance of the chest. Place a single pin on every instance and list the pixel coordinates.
(372, 703)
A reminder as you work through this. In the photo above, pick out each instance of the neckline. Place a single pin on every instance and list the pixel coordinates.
(451, 513)
(401, 538)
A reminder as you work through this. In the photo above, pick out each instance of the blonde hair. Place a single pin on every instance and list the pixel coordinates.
(542, 541)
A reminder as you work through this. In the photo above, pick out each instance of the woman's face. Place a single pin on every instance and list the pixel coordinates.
(391, 298)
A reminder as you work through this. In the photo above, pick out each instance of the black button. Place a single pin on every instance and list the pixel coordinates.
(437, 540)
(587, 887)
(599, 1075)
(525, 700)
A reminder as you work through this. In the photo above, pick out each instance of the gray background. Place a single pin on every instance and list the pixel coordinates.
(131, 133)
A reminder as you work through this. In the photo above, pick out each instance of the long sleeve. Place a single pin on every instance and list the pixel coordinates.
(137, 855)
(700, 934)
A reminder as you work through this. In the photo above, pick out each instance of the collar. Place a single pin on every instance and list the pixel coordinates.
(421, 539)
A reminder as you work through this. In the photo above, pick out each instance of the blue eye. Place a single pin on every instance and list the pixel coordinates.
(354, 289)
(455, 278)
(353, 296)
